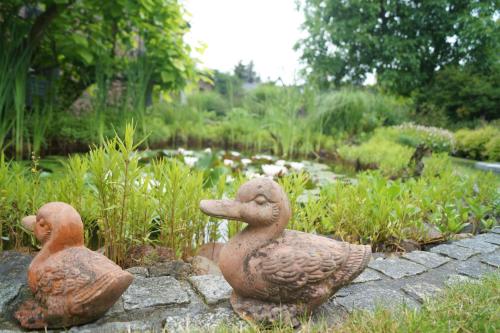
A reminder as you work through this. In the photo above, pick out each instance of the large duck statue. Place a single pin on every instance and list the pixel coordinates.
(279, 274)
(72, 285)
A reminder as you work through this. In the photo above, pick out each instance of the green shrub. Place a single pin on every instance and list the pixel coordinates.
(473, 143)
(438, 139)
(208, 101)
(492, 148)
(390, 157)
(356, 111)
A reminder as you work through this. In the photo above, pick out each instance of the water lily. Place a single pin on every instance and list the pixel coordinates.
(228, 162)
(246, 161)
(297, 166)
(272, 170)
(190, 160)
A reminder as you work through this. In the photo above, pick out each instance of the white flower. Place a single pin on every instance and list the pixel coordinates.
(246, 161)
(228, 162)
(229, 179)
(235, 154)
(208, 150)
(272, 170)
(297, 166)
(251, 175)
(280, 162)
(263, 157)
(190, 161)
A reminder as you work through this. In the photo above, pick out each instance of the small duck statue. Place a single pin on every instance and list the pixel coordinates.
(72, 285)
(279, 274)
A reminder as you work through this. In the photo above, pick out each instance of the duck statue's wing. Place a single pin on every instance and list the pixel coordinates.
(292, 267)
(60, 279)
(71, 272)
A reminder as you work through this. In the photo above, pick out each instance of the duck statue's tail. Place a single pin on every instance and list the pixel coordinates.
(356, 261)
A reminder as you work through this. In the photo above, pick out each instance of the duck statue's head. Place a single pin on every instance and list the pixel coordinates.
(56, 224)
(260, 202)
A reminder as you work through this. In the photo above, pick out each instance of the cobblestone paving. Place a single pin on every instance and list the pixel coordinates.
(155, 302)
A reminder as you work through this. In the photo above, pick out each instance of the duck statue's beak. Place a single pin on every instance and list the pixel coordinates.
(29, 222)
(227, 209)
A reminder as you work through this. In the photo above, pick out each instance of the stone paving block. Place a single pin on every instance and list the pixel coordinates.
(8, 291)
(118, 327)
(155, 291)
(457, 278)
(454, 251)
(474, 269)
(421, 290)
(367, 275)
(138, 271)
(476, 244)
(213, 288)
(427, 259)
(372, 297)
(496, 230)
(397, 268)
(202, 322)
(489, 238)
(492, 259)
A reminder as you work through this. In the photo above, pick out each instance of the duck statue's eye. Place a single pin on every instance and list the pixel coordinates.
(260, 199)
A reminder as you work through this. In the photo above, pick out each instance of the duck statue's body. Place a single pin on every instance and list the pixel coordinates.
(279, 274)
(72, 285)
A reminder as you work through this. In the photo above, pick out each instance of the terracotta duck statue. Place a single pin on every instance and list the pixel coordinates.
(72, 285)
(279, 274)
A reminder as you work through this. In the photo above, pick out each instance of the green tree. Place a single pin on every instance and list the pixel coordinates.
(404, 42)
(80, 37)
(246, 73)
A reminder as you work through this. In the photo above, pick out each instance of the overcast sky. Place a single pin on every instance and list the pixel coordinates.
(260, 30)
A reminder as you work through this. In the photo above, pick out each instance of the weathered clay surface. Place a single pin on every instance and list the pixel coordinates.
(213, 288)
(71, 284)
(278, 273)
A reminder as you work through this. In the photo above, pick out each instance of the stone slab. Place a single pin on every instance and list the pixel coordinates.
(138, 271)
(155, 291)
(213, 288)
(476, 244)
(454, 251)
(397, 268)
(496, 230)
(202, 322)
(118, 327)
(368, 275)
(8, 291)
(427, 259)
(372, 297)
(489, 237)
(13, 275)
(492, 259)
(474, 269)
(458, 279)
(421, 290)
